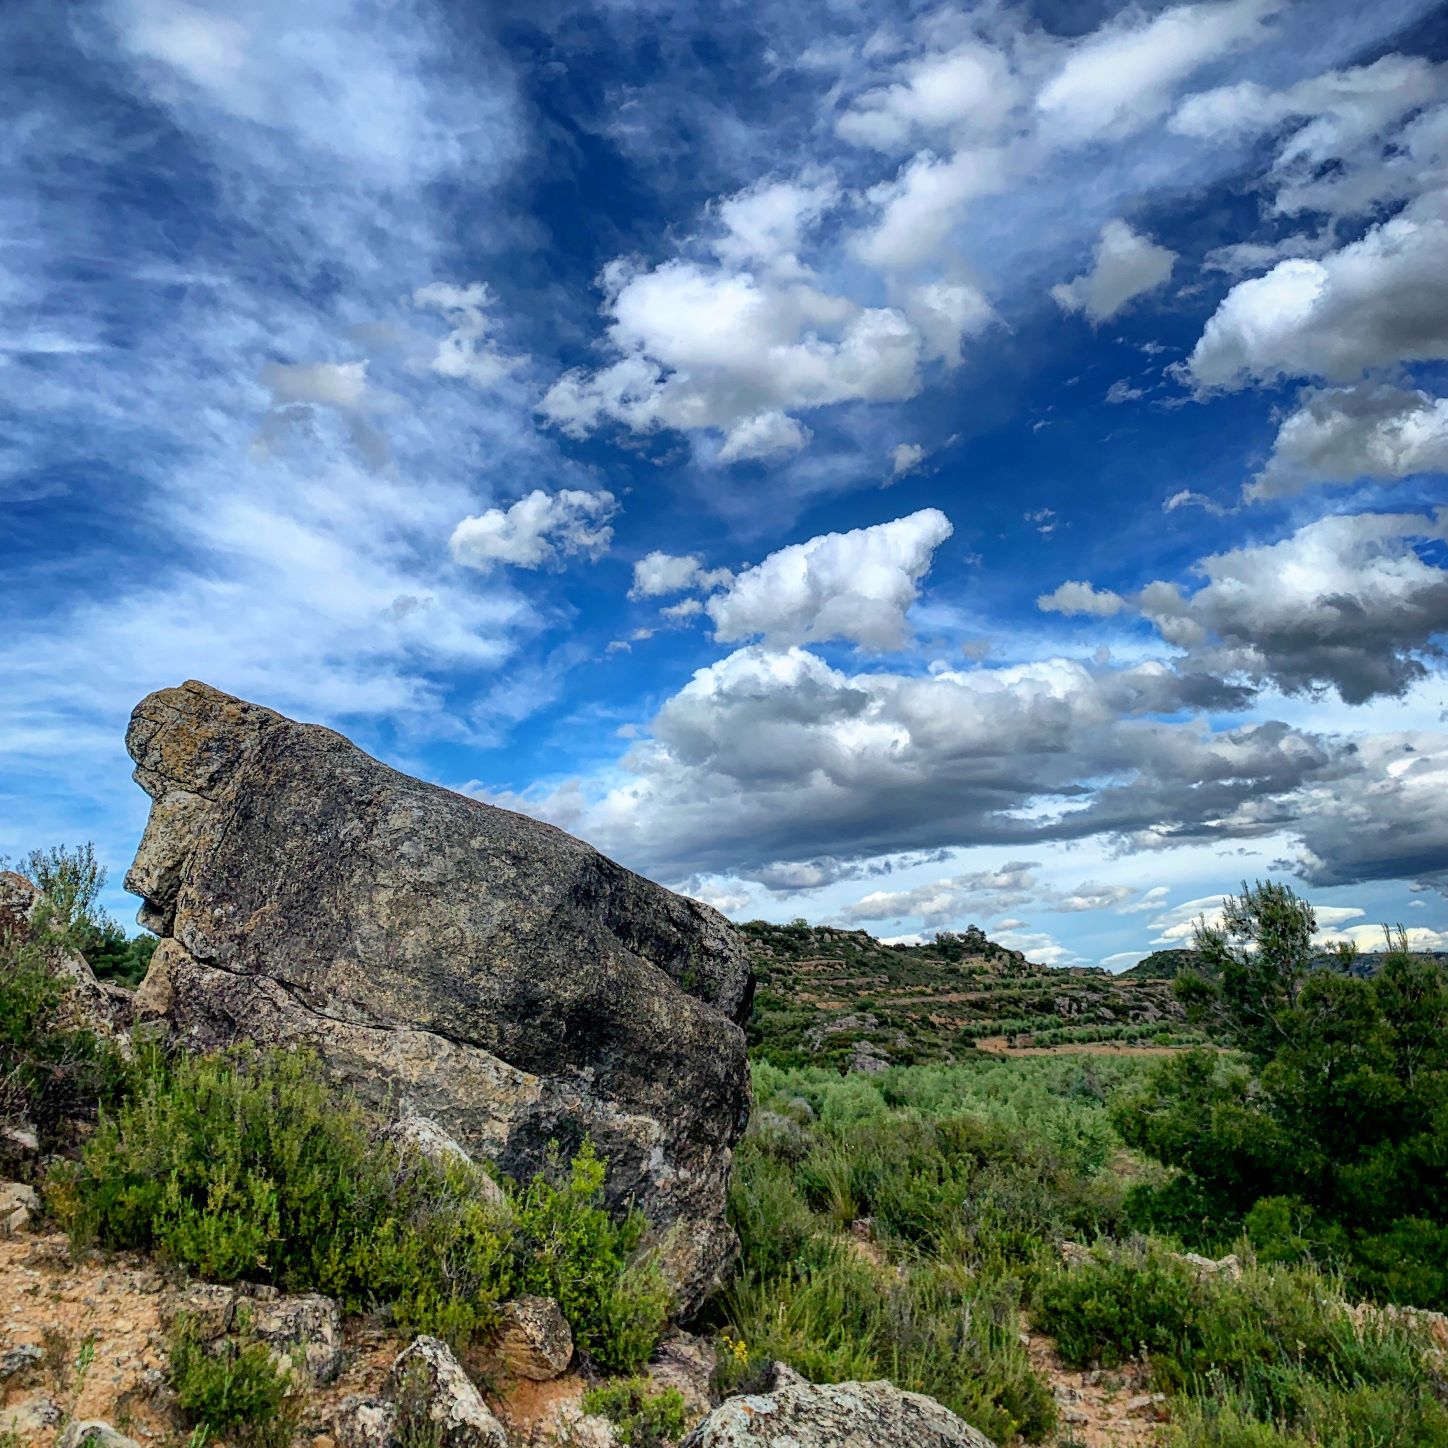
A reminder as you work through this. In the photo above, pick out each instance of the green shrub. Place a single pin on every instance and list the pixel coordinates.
(1116, 1305)
(570, 1249)
(643, 1417)
(51, 1076)
(246, 1164)
(233, 1390)
(1276, 1350)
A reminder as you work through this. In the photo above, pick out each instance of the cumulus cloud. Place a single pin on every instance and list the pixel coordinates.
(919, 206)
(764, 435)
(1374, 303)
(705, 347)
(1125, 75)
(1385, 819)
(969, 89)
(982, 893)
(770, 755)
(857, 586)
(1076, 599)
(535, 530)
(658, 574)
(1127, 265)
(905, 458)
(1339, 435)
(1345, 602)
(467, 352)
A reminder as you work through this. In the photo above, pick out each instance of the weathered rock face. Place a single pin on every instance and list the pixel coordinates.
(845, 1415)
(453, 960)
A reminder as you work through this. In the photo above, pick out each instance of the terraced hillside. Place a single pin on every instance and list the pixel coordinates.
(843, 998)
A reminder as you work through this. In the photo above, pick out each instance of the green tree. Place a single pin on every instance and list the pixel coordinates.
(1329, 1135)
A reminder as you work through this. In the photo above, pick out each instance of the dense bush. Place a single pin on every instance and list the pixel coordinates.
(1274, 1358)
(1329, 1141)
(246, 1164)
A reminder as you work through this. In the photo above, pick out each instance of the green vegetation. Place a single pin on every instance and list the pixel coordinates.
(1327, 1139)
(52, 1075)
(71, 881)
(643, 1417)
(892, 1225)
(1274, 1358)
(236, 1391)
(245, 1164)
(825, 994)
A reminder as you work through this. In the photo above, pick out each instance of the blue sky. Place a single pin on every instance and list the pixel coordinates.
(898, 465)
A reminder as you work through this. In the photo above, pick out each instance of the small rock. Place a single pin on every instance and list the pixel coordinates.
(307, 1323)
(17, 1359)
(207, 1307)
(686, 1363)
(25, 1420)
(94, 1434)
(572, 1426)
(19, 1205)
(426, 1380)
(534, 1340)
(781, 1375)
(365, 1423)
(20, 1137)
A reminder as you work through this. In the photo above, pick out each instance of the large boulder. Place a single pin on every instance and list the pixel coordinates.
(841, 1415)
(446, 958)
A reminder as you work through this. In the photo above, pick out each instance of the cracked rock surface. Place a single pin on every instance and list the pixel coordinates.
(445, 958)
(841, 1415)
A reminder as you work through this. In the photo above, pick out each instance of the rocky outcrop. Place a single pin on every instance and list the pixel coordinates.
(446, 958)
(843, 1415)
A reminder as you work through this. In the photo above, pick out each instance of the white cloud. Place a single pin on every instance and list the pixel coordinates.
(768, 224)
(905, 458)
(1127, 265)
(1339, 435)
(967, 90)
(1189, 498)
(857, 586)
(1122, 391)
(920, 206)
(1152, 900)
(1348, 147)
(1125, 75)
(536, 530)
(1373, 303)
(765, 435)
(657, 574)
(467, 352)
(1076, 599)
(703, 347)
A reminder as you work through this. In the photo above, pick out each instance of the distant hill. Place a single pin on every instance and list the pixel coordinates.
(1164, 965)
(1168, 964)
(843, 998)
